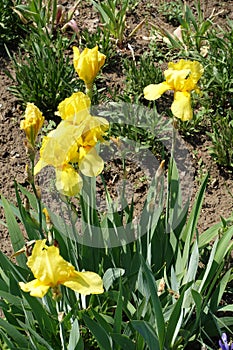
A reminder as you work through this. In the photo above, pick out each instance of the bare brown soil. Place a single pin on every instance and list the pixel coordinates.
(218, 199)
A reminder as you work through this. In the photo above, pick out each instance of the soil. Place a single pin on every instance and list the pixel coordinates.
(218, 198)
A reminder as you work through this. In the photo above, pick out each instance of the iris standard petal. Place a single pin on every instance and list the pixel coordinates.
(91, 164)
(176, 79)
(68, 181)
(47, 265)
(195, 72)
(154, 91)
(35, 287)
(75, 108)
(85, 283)
(181, 106)
(57, 144)
(88, 63)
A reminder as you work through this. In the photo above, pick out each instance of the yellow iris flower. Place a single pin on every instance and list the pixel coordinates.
(70, 147)
(32, 123)
(51, 270)
(181, 77)
(74, 108)
(88, 63)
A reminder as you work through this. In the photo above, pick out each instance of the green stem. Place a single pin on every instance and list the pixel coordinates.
(170, 169)
(61, 325)
(89, 90)
(39, 206)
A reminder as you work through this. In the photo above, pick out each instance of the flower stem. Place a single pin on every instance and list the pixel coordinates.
(61, 326)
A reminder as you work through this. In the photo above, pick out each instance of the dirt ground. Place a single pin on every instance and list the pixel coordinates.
(218, 199)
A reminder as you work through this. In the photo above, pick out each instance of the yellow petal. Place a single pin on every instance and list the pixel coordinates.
(32, 123)
(94, 131)
(181, 106)
(154, 91)
(68, 181)
(47, 265)
(195, 72)
(75, 108)
(85, 283)
(39, 166)
(88, 63)
(177, 78)
(35, 287)
(59, 143)
(91, 164)
(51, 270)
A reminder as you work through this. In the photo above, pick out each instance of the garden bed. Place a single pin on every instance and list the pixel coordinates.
(172, 283)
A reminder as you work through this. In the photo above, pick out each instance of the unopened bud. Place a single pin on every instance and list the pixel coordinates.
(28, 174)
(38, 193)
(29, 149)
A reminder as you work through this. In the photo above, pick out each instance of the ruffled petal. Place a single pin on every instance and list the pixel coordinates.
(177, 78)
(88, 63)
(85, 283)
(75, 108)
(181, 106)
(195, 72)
(91, 164)
(154, 91)
(35, 287)
(58, 143)
(68, 181)
(47, 264)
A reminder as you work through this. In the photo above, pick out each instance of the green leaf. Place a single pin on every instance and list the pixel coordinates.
(198, 302)
(189, 230)
(21, 340)
(111, 275)
(74, 336)
(210, 234)
(39, 339)
(118, 313)
(175, 319)
(226, 308)
(99, 333)
(16, 235)
(45, 322)
(157, 308)
(148, 333)
(124, 342)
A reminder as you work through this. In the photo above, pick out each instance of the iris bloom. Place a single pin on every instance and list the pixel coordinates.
(75, 108)
(70, 147)
(224, 344)
(88, 63)
(181, 77)
(51, 270)
(32, 123)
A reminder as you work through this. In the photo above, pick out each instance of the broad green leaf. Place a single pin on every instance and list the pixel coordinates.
(118, 313)
(123, 341)
(99, 333)
(103, 322)
(148, 333)
(157, 308)
(111, 275)
(198, 302)
(40, 340)
(190, 228)
(175, 320)
(226, 308)
(16, 235)
(18, 337)
(74, 336)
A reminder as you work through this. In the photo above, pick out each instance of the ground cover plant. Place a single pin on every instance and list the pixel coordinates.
(90, 270)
